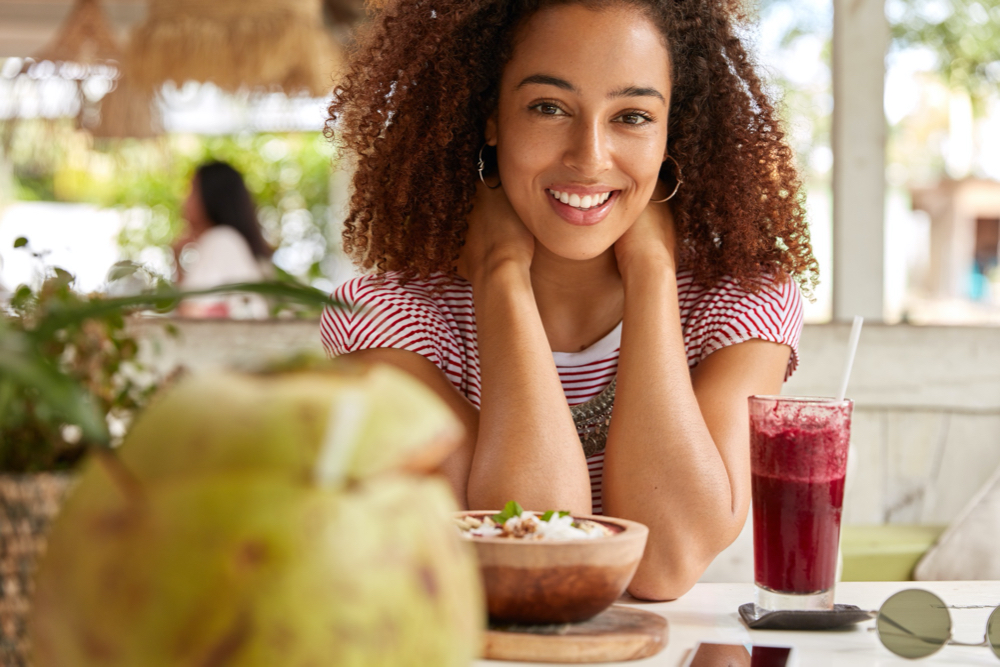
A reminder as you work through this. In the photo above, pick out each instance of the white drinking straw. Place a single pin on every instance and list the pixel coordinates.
(852, 347)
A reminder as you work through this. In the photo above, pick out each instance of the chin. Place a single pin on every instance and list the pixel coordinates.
(576, 251)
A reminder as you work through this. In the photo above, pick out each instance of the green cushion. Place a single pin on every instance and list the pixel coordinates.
(884, 553)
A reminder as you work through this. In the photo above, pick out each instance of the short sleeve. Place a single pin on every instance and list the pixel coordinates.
(378, 312)
(727, 314)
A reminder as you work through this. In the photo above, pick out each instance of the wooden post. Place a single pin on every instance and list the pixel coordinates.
(860, 41)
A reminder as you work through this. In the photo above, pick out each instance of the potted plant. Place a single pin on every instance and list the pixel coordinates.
(70, 381)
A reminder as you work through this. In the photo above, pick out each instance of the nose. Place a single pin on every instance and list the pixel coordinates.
(589, 153)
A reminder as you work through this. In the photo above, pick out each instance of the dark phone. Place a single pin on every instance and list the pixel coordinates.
(736, 655)
(769, 656)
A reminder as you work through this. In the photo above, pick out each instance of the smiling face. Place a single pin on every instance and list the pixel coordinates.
(581, 124)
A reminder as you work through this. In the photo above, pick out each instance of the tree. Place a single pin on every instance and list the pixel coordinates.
(963, 34)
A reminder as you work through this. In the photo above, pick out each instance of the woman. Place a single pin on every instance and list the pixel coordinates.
(222, 244)
(527, 280)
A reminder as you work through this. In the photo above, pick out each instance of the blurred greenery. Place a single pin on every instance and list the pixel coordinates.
(63, 377)
(963, 34)
(288, 175)
(805, 106)
(955, 42)
(70, 367)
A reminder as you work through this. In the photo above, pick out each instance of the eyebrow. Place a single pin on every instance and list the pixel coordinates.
(627, 91)
(637, 91)
(546, 80)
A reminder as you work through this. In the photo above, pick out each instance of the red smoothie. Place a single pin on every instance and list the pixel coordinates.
(798, 460)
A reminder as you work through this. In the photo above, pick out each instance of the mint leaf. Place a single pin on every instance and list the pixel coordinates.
(551, 513)
(563, 513)
(511, 509)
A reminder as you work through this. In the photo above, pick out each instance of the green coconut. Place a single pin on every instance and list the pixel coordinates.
(216, 556)
(376, 418)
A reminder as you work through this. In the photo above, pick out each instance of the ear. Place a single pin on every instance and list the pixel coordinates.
(492, 132)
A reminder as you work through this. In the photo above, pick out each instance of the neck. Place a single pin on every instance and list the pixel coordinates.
(579, 301)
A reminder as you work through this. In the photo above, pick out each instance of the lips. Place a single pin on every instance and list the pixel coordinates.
(582, 208)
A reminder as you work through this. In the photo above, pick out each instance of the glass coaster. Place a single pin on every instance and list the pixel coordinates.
(841, 616)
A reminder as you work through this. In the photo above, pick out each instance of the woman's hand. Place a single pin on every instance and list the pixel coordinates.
(651, 236)
(495, 235)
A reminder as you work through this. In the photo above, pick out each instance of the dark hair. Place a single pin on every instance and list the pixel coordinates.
(227, 202)
(423, 77)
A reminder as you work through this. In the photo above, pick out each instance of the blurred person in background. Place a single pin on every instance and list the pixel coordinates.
(221, 245)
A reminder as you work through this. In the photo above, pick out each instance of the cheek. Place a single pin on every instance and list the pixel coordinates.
(522, 160)
(643, 157)
(523, 155)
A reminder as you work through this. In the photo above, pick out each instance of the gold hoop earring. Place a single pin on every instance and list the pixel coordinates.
(676, 187)
(482, 166)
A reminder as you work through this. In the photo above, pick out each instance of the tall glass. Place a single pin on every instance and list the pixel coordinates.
(798, 455)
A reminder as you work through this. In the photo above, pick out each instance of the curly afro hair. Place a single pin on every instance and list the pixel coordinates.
(423, 77)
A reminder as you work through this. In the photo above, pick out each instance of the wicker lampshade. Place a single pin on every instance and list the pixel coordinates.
(235, 44)
(128, 111)
(85, 37)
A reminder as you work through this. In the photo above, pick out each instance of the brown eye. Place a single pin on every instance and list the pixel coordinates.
(635, 119)
(546, 108)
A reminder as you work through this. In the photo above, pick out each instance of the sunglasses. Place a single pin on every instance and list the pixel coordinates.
(916, 623)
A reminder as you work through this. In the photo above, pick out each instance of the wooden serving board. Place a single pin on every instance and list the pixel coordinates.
(616, 634)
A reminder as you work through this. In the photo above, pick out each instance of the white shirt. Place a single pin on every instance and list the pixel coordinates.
(222, 257)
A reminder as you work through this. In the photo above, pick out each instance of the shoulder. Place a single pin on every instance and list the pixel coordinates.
(434, 298)
(727, 313)
(380, 311)
(778, 300)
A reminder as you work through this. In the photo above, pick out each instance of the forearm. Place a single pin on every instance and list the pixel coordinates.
(662, 467)
(527, 447)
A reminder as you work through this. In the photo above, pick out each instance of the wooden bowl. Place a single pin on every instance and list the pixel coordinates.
(558, 581)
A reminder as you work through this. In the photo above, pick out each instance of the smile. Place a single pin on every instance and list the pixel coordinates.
(583, 209)
(583, 203)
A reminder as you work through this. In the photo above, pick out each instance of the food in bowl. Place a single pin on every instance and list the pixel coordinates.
(539, 580)
(515, 522)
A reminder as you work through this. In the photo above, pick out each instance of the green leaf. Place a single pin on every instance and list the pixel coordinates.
(511, 509)
(62, 315)
(122, 270)
(551, 513)
(63, 277)
(20, 242)
(21, 362)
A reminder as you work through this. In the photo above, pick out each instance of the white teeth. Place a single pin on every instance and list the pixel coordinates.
(583, 203)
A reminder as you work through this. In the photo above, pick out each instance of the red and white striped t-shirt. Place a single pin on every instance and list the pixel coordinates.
(436, 319)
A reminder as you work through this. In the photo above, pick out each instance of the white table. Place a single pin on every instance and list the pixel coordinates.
(708, 613)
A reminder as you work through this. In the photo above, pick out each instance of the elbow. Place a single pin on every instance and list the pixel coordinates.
(658, 583)
(666, 573)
